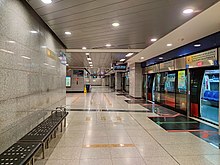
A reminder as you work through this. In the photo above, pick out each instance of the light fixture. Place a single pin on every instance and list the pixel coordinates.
(90, 62)
(11, 42)
(160, 58)
(28, 58)
(68, 33)
(188, 11)
(122, 59)
(197, 45)
(108, 45)
(52, 66)
(153, 39)
(43, 47)
(84, 48)
(129, 54)
(47, 1)
(169, 44)
(67, 64)
(87, 54)
(142, 58)
(89, 59)
(46, 64)
(33, 31)
(91, 65)
(7, 51)
(115, 24)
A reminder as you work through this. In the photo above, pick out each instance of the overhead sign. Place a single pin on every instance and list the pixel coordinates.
(207, 58)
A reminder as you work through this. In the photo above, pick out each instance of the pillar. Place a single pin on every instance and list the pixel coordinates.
(136, 78)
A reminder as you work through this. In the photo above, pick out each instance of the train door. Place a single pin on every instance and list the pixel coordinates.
(209, 97)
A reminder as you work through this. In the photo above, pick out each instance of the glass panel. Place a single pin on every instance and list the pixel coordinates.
(157, 87)
(169, 89)
(209, 109)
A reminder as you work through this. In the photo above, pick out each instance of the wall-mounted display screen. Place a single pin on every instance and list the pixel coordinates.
(68, 81)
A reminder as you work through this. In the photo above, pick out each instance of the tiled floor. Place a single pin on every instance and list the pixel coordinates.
(122, 138)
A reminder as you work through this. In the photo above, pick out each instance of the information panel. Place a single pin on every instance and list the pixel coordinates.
(207, 58)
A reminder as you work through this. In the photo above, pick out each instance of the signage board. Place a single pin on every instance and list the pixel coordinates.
(207, 58)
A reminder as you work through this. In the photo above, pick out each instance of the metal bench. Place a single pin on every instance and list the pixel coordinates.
(42, 132)
(20, 154)
(23, 151)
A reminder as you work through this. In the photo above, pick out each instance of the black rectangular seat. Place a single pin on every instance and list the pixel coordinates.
(19, 153)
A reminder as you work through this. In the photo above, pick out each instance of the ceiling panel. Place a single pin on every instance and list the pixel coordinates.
(90, 21)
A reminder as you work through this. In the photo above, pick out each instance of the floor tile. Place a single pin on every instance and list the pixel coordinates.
(95, 162)
(128, 161)
(96, 153)
(193, 160)
(160, 161)
(126, 152)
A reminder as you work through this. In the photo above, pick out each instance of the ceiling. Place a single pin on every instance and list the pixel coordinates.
(90, 22)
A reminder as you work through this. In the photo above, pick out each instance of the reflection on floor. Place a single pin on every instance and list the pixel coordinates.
(175, 122)
(106, 130)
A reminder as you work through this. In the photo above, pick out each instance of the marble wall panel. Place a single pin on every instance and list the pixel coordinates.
(30, 82)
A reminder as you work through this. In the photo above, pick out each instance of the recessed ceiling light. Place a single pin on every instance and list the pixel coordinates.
(169, 44)
(197, 45)
(142, 58)
(90, 62)
(188, 11)
(46, 64)
(47, 1)
(87, 54)
(33, 31)
(115, 24)
(67, 64)
(43, 47)
(84, 48)
(91, 65)
(122, 59)
(108, 45)
(153, 39)
(129, 54)
(160, 58)
(68, 33)
(89, 59)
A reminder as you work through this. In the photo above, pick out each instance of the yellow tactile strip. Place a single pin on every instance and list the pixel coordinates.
(107, 145)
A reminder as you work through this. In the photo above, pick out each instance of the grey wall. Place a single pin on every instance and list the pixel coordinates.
(28, 86)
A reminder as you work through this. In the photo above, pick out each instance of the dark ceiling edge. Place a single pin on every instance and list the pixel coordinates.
(34, 14)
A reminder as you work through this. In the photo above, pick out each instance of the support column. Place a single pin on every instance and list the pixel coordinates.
(118, 78)
(136, 78)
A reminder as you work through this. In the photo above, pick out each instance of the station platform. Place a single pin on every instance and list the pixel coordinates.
(107, 130)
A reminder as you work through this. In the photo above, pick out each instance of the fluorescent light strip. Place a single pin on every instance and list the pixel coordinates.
(28, 58)
(7, 51)
(122, 59)
(129, 54)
